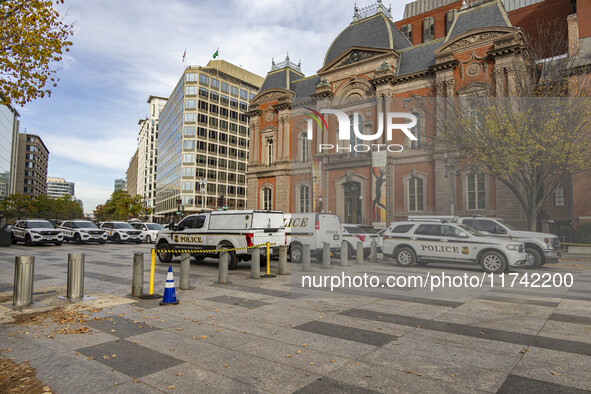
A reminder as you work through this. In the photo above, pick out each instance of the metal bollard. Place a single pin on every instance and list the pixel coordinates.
(374, 252)
(344, 254)
(306, 258)
(185, 270)
(283, 261)
(223, 270)
(24, 271)
(255, 264)
(326, 255)
(359, 253)
(75, 285)
(137, 278)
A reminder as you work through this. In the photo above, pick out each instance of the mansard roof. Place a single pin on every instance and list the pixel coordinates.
(305, 87)
(417, 58)
(377, 31)
(488, 14)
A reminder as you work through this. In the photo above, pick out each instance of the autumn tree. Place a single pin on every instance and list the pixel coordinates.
(121, 206)
(33, 38)
(17, 206)
(533, 140)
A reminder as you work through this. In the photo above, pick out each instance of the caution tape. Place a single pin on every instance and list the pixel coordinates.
(567, 243)
(206, 250)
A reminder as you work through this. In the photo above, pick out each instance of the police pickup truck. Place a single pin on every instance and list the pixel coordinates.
(222, 230)
(423, 241)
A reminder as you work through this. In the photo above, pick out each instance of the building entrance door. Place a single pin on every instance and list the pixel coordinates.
(352, 202)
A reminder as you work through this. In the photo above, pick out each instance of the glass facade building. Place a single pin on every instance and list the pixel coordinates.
(8, 141)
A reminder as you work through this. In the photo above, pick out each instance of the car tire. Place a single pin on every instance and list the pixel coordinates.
(493, 262)
(59, 243)
(534, 258)
(199, 257)
(148, 239)
(77, 239)
(102, 242)
(296, 253)
(405, 257)
(164, 257)
(13, 240)
(366, 253)
(117, 238)
(351, 250)
(28, 240)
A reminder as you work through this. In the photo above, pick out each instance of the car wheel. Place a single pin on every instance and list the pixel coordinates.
(117, 238)
(405, 257)
(77, 239)
(164, 257)
(102, 242)
(351, 250)
(199, 257)
(13, 240)
(493, 262)
(139, 241)
(534, 258)
(296, 253)
(58, 243)
(366, 253)
(148, 239)
(28, 240)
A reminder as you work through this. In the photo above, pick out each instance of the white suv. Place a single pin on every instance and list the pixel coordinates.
(81, 231)
(422, 242)
(541, 248)
(353, 233)
(35, 231)
(149, 230)
(121, 232)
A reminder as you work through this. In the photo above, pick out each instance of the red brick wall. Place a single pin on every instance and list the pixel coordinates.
(417, 22)
(584, 16)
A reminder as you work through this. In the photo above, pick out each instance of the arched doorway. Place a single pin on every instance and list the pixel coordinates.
(353, 202)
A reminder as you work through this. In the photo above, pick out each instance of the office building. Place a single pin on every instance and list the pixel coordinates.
(203, 139)
(31, 165)
(8, 142)
(58, 187)
(131, 175)
(119, 184)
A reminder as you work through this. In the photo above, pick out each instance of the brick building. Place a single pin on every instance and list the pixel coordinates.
(440, 49)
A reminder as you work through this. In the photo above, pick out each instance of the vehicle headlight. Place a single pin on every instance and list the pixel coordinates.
(514, 246)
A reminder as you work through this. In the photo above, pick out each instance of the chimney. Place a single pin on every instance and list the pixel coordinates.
(573, 35)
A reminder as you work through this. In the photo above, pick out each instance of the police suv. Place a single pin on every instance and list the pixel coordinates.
(149, 230)
(81, 231)
(35, 231)
(352, 233)
(121, 232)
(222, 230)
(312, 229)
(540, 248)
(421, 241)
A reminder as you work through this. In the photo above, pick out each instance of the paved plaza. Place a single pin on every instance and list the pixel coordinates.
(271, 335)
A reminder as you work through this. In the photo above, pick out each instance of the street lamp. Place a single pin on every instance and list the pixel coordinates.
(202, 187)
(451, 171)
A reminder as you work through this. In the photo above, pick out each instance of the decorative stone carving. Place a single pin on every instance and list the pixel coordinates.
(476, 68)
(384, 66)
(323, 82)
(476, 38)
(473, 69)
(356, 56)
(269, 116)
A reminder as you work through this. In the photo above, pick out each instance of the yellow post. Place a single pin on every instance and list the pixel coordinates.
(268, 260)
(152, 268)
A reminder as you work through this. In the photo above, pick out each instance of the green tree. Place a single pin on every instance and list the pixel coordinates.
(33, 37)
(121, 206)
(17, 206)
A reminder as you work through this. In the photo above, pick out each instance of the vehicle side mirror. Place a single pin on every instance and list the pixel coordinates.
(180, 227)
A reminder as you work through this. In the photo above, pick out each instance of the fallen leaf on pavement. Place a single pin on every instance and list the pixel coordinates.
(555, 373)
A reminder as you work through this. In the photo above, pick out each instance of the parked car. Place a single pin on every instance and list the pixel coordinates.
(35, 231)
(352, 233)
(312, 229)
(80, 231)
(121, 232)
(149, 230)
(423, 241)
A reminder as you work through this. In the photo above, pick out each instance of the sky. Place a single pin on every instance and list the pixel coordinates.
(125, 51)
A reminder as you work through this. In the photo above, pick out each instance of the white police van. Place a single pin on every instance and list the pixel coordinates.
(222, 230)
(541, 248)
(35, 231)
(121, 232)
(81, 231)
(421, 241)
(312, 229)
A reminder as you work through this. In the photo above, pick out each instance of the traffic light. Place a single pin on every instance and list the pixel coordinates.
(178, 201)
(221, 201)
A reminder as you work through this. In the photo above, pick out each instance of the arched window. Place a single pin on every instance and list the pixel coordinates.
(267, 198)
(304, 199)
(304, 148)
(415, 194)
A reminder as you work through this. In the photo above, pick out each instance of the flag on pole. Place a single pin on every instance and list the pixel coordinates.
(216, 53)
(184, 54)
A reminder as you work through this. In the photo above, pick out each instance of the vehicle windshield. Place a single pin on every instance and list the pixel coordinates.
(154, 226)
(504, 223)
(470, 230)
(122, 225)
(40, 224)
(84, 225)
